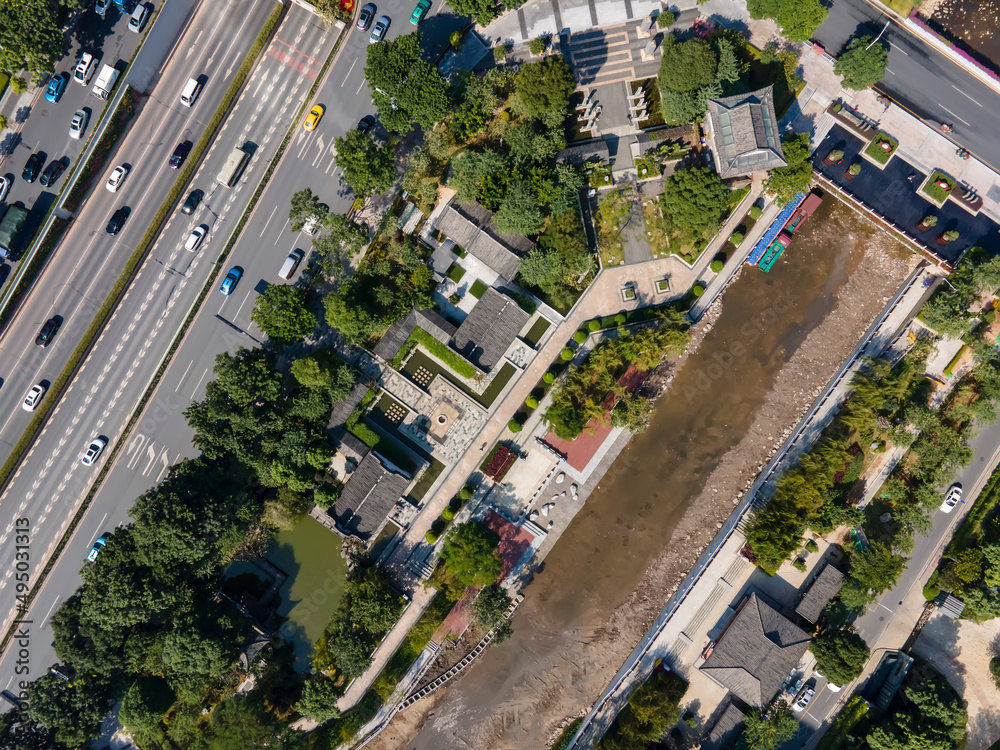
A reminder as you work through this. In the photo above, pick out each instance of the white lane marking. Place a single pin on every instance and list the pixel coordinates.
(360, 87)
(46, 618)
(349, 72)
(900, 49)
(952, 114)
(966, 95)
(179, 382)
(243, 303)
(199, 383)
(268, 221)
(278, 238)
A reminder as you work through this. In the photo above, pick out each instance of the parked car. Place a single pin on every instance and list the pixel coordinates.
(99, 544)
(48, 332)
(78, 124)
(232, 279)
(101, 7)
(803, 699)
(56, 86)
(952, 499)
(51, 173)
(85, 69)
(117, 221)
(93, 451)
(116, 178)
(180, 153)
(366, 124)
(138, 19)
(33, 166)
(33, 397)
(193, 199)
(420, 11)
(313, 118)
(5, 183)
(365, 17)
(381, 26)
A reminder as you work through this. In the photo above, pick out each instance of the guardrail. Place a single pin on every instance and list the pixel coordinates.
(747, 504)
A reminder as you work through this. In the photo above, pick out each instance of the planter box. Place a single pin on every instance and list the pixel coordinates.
(876, 154)
(932, 193)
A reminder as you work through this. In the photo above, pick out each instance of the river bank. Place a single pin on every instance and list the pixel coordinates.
(777, 339)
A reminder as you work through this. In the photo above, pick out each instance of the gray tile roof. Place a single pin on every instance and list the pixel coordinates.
(368, 496)
(489, 329)
(471, 227)
(393, 339)
(745, 134)
(726, 730)
(819, 594)
(756, 652)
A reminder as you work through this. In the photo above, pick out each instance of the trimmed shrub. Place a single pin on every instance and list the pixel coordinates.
(549, 378)
(690, 719)
(854, 170)
(431, 536)
(448, 514)
(736, 238)
(531, 402)
(566, 354)
(514, 426)
(580, 337)
(538, 45)
(594, 325)
(698, 290)
(500, 52)
(950, 236)
(620, 319)
(467, 492)
(755, 212)
(716, 266)
(665, 19)
(811, 546)
(799, 564)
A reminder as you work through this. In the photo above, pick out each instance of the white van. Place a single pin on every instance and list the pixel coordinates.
(190, 93)
(85, 69)
(290, 264)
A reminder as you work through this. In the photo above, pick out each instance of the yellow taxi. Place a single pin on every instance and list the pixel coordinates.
(313, 118)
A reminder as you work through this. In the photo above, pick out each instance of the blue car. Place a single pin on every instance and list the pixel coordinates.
(99, 544)
(56, 87)
(232, 279)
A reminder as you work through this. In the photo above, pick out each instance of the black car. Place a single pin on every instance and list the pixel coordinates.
(192, 202)
(48, 332)
(4, 273)
(52, 172)
(117, 221)
(366, 124)
(180, 153)
(33, 166)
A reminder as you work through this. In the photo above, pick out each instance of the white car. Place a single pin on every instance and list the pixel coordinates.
(93, 452)
(4, 187)
(194, 239)
(138, 19)
(116, 178)
(101, 7)
(952, 498)
(381, 26)
(85, 69)
(78, 124)
(803, 699)
(34, 397)
(311, 225)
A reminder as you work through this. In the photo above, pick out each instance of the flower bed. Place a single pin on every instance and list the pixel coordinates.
(936, 192)
(881, 148)
(498, 462)
(600, 174)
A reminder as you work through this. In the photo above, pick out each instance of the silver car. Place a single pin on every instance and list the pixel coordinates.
(365, 17)
(803, 700)
(381, 26)
(4, 187)
(78, 124)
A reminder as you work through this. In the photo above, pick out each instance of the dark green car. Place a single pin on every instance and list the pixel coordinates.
(420, 11)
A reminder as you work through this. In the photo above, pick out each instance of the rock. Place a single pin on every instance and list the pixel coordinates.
(563, 494)
(545, 509)
(550, 524)
(533, 516)
(573, 487)
(560, 478)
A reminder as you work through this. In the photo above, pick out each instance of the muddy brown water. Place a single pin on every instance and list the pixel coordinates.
(712, 402)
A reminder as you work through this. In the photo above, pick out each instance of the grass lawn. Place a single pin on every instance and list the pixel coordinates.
(431, 473)
(478, 289)
(420, 360)
(877, 152)
(537, 330)
(612, 214)
(903, 7)
(936, 193)
(456, 272)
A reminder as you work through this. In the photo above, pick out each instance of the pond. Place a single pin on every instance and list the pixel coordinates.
(310, 554)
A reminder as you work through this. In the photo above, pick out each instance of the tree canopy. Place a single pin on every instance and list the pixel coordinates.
(281, 313)
(560, 264)
(341, 241)
(695, 198)
(305, 205)
(406, 88)
(687, 78)
(798, 19)
(652, 709)
(873, 571)
(368, 167)
(796, 176)
(862, 63)
(543, 90)
(31, 36)
(840, 655)
(470, 555)
(483, 11)
(319, 699)
(765, 731)
(933, 718)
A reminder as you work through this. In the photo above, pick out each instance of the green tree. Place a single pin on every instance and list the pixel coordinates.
(203, 645)
(651, 710)
(687, 66)
(526, 143)
(768, 730)
(368, 167)
(519, 213)
(840, 655)
(543, 89)
(798, 19)
(873, 571)
(351, 652)
(374, 606)
(796, 175)
(483, 11)
(343, 240)
(319, 699)
(305, 205)
(695, 198)
(145, 703)
(281, 313)
(490, 606)
(470, 555)
(238, 723)
(633, 413)
(933, 718)
(73, 711)
(406, 87)
(862, 63)
(31, 36)
(322, 369)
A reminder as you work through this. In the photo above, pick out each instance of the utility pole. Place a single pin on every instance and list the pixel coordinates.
(879, 35)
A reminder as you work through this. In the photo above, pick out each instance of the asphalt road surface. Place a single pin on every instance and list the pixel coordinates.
(922, 560)
(921, 79)
(51, 482)
(44, 126)
(162, 437)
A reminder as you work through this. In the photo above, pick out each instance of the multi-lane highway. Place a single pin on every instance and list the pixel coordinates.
(51, 481)
(141, 331)
(44, 126)
(921, 78)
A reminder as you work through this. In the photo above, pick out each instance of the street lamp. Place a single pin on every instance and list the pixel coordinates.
(879, 35)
